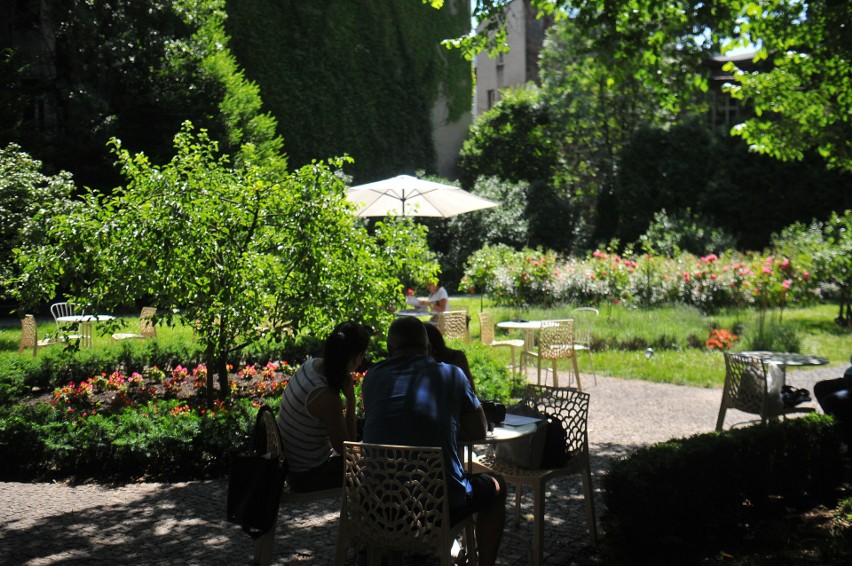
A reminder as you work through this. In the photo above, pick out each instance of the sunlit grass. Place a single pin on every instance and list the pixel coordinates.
(679, 329)
(672, 332)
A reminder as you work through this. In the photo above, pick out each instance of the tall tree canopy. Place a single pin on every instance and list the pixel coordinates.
(803, 103)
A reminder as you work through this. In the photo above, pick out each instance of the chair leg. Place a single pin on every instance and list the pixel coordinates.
(518, 489)
(263, 546)
(555, 374)
(538, 523)
(592, 365)
(341, 549)
(576, 370)
(720, 421)
(538, 375)
(590, 506)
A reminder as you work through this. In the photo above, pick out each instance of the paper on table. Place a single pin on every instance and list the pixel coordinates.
(519, 420)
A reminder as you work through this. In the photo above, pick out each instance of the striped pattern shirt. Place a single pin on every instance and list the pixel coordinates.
(306, 443)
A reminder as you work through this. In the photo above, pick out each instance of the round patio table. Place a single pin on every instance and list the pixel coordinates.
(786, 358)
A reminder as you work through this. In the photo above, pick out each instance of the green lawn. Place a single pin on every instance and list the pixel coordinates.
(670, 331)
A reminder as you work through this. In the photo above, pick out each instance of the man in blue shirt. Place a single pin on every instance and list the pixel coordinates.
(411, 399)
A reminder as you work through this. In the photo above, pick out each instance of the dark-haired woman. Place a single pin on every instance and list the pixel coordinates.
(440, 352)
(313, 421)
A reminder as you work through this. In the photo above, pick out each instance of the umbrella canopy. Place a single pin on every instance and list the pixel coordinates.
(409, 196)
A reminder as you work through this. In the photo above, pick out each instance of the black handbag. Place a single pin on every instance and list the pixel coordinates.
(254, 485)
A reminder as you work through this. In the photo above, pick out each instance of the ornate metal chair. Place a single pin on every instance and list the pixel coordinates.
(395, 501)
(555, 342)
(584, 322)
(486, 335)
(29, 336)
(754, 387)
(571, 408)
(146, 326)
(453, 325)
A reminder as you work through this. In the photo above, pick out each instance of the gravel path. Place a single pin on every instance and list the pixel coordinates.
(184, 523)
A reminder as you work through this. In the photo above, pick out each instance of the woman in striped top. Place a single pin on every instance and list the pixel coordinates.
(313, 421)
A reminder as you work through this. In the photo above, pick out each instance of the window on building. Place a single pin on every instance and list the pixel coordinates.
(492, 98)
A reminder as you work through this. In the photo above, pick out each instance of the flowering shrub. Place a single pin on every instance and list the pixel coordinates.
(708, 282)
(721, 339)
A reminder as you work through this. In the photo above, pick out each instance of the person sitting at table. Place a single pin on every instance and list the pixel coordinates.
(439, 299)
(835, 398)
(411, 399)
(442, 353)
(311, 417)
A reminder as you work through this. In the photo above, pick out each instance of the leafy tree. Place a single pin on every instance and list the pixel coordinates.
(516, 142)
(506, 225)
(685, 231)
(404, 245)
(803, 103)
(239, 250)
(29, 201)
(511, 141)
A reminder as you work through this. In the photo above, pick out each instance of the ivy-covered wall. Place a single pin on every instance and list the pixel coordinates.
(358, 77)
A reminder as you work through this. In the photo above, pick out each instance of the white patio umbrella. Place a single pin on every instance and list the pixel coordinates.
(409, 196)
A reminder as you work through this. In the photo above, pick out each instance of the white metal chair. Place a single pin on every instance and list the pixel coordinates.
(274, 446)
(555, 342)
(486, 336)
(68, 331)
(395, 501)
(453, 325)
(571, 407)
(754, 387)
(29, 336)
(584, 322)
(146, 326)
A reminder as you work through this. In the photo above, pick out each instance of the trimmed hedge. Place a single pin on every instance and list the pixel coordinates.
(676, 501)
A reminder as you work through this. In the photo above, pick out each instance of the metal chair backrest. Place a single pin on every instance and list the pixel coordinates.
(750, 387)
(556, 339)
(146, 322)
(571, 407)
(453, 325)
(486, 328)
(584, 322)
(62, 309)
(395, 499)
(29, 336)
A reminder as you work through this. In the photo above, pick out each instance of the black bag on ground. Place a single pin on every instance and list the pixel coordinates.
(254, 485)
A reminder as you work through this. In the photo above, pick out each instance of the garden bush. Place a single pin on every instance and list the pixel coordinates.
(113, 414)
(676, 501)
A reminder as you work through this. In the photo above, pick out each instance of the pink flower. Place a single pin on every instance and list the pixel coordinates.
(787, 283)
(710, 258)
(767, 270)
(806, 274)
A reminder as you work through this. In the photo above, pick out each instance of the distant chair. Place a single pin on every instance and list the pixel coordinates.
(29, 336)
(584, 322)
(453, 325)
(70, 330)
(555, 342)
(753, 387)
(146, 326)
(395, 501)
(486, 335)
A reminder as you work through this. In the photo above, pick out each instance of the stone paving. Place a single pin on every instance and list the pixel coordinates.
(183, 523)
